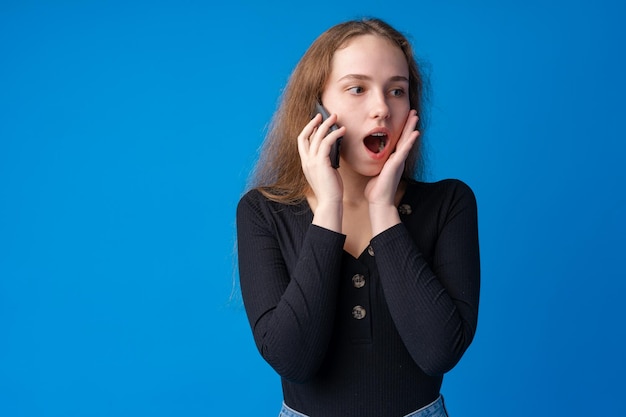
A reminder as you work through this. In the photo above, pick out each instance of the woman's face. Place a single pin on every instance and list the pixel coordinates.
(368, 89)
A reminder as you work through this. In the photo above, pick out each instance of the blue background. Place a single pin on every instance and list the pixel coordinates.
(127, 130)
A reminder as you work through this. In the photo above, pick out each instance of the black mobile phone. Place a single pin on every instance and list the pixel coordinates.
(334, 150)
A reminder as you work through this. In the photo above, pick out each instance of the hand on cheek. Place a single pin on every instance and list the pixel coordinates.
(381, 190)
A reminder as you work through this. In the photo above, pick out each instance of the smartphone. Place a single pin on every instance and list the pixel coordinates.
(334, 150)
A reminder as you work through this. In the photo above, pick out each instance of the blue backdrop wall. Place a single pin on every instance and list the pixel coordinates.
(127, 130)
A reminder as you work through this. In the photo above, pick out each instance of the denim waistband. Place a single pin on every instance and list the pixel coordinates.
(435, 409)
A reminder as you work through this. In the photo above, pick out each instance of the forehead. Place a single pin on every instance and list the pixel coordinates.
(369, 55)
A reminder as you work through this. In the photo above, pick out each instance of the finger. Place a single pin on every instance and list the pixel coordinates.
(330, 138)
(322, 132)
(407, 142)
(305, 135)
(411, 123)
(409, 134)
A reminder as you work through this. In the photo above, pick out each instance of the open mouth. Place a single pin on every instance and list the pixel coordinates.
(376, 142)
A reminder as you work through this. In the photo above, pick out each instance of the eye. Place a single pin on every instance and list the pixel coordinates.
(356, 90)
(397, 92)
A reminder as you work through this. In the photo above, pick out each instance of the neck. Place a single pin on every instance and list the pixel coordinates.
(353, 187)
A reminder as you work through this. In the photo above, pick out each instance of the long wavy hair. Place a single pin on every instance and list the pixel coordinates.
(278, 173)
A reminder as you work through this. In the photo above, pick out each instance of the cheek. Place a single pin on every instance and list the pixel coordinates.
(350, 142)
(400, 121)
(352, 130)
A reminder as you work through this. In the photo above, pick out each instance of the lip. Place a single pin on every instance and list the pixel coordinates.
(383, 153)
(380, 129)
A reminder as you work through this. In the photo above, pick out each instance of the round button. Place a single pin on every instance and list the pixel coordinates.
(405, 209)
(370, 250)
(358, 281)
(358, 312)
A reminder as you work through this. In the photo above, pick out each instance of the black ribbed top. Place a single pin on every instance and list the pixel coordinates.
(367, 336)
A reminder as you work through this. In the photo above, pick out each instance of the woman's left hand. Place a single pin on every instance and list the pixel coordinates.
(381, 190)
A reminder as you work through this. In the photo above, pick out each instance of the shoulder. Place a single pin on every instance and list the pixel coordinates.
(429, 208)
(251, 198)
(254, 203)
(441, 188)
(447, 194)
(270, 197)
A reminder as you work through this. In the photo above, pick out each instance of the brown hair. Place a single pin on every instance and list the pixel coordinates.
(278, 173)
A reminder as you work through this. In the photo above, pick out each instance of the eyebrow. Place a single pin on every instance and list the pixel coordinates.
(367, 78)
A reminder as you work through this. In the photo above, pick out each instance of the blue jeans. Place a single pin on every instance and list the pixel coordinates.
(434, 409)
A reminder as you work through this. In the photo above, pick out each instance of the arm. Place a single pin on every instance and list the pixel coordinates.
(290, 297)
(434, 307)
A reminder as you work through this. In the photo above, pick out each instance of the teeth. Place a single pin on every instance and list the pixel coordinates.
(380, 140)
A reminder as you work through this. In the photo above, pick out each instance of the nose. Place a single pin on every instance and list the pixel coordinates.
(379, 107)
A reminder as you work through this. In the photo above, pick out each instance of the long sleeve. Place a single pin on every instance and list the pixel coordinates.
(434, 305)
(288, 272)
(372, 334)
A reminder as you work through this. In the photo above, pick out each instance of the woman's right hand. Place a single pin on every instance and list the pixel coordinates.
(314, 143)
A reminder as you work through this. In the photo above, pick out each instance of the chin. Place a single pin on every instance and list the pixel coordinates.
(370, 170)
(365, 167)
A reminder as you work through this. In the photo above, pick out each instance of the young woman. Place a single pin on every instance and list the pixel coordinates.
(361, 284)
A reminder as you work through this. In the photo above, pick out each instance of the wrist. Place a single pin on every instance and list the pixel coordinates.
(329, 215)
(383, 217)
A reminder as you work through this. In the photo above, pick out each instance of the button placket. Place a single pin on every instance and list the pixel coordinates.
(358, 312)
(358, 280)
